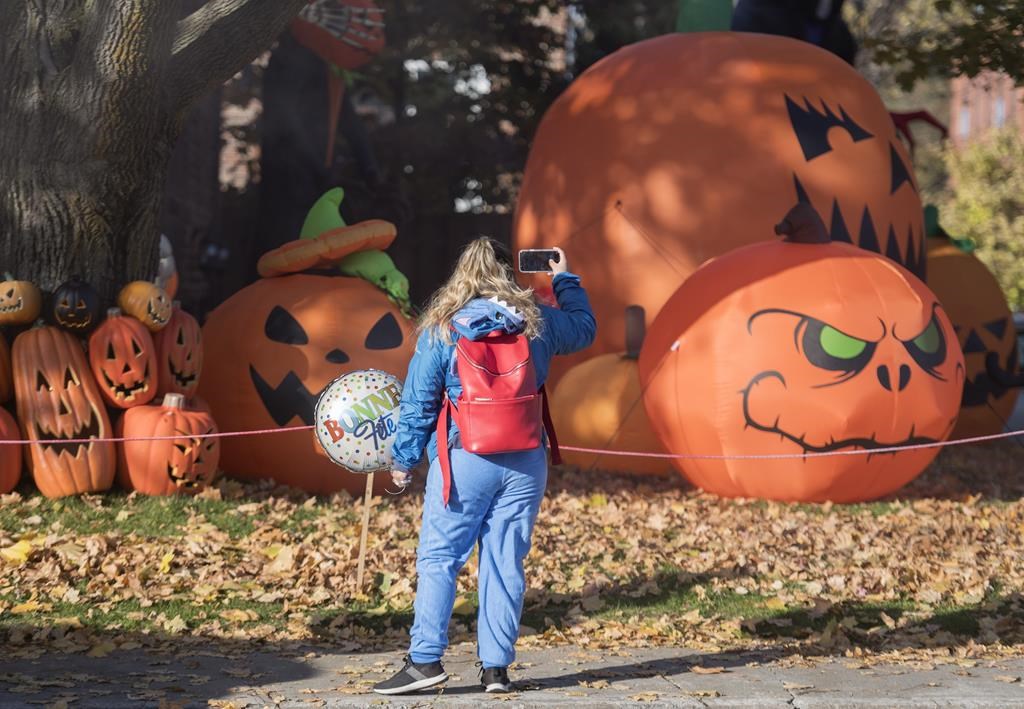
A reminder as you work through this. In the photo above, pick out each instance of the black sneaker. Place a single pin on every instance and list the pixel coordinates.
(495, 680)
(412, 677)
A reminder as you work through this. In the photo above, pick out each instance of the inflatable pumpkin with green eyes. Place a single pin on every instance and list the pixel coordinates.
(273, 346)
(779, 352)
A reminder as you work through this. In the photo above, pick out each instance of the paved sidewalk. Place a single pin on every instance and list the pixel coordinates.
(553, 677)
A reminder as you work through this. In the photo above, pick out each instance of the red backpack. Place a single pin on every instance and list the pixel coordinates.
(500, 409)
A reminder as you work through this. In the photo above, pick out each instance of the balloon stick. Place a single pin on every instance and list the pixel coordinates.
(362, 535)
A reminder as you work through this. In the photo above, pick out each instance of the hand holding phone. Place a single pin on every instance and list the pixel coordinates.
(542, 261)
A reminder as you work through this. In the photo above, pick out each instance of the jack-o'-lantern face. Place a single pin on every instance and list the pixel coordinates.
(75, 307)
(146, 302)
(272, 348)
(123, 359)
(60, 410)
(192, 462)
(985, 330)
(179, 354)
(879, 216)
(20, 301)
(806, 350)
(681, 148)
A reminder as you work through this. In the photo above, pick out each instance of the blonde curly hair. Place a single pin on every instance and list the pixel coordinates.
(479, 273)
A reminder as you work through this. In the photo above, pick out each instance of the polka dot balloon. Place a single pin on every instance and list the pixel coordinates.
(356, 419)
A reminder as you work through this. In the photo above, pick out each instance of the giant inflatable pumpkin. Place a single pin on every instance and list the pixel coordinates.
(271, 349)
(683, 147)
(598, 404)
(59, 402)
(787, 348)
(975, 303)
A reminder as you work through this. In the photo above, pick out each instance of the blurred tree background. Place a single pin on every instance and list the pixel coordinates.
(436, 129)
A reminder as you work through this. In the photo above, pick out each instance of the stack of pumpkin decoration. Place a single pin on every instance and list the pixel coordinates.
(67, 395)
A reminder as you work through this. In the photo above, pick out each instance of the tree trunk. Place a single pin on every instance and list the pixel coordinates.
(92, 97)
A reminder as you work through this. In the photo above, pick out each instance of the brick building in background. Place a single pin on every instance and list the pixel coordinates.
(982, 104)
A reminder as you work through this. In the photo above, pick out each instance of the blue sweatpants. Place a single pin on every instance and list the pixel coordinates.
(494, 500)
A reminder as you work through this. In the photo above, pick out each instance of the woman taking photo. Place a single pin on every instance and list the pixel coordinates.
(471, 398)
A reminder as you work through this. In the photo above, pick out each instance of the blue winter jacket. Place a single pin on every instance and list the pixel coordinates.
(569, 328)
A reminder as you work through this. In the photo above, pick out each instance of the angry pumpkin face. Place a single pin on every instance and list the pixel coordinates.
(272, 348)
(60, 410)
(800, 349)
(681, 148)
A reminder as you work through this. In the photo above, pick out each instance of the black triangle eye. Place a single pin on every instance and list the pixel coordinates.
(41, 382)
(900, 173)
(10, 293)
(135, 347)
(997, 327)
(282, 327)
(385, 334)
(812, 125)
(110, 351)
(69, 378)
(337, 357)
(181, 336)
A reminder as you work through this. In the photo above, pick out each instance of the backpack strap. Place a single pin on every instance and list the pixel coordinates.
(443, 454)
(549, 426)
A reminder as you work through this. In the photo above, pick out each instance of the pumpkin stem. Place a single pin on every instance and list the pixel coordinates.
(174, 401)
(113, 313)
(8, 276)
(803, 225)
(635, 331)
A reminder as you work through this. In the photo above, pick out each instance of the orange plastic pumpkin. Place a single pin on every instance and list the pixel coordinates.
(147, 303)
(975, 303)
(123, 360)
(10, 455)
(185, 465)
(784, 348)
(598, 404)
(179, 349)
(58, 401)
(683, 147)
(6, 385)
(272, 347)
(20, 301)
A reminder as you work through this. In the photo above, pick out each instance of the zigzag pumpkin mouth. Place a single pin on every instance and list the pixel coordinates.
(55, 441)
(182, 379)
(11, 308)
(287, 400)
(155, 315)
(128, 391)
(173, 472)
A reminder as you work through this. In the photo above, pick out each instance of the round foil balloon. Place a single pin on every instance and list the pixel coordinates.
(356, 419)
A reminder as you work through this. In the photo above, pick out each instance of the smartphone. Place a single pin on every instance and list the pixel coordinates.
(536, 260)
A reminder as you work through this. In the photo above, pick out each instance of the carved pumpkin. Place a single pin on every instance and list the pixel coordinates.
(6, 383)
(123, 360)
(271, 349)
(598, 404)
(75, 307)
(680, 148)
(20, 301)
(58, 402)
(185, 465)
(179, 348)
(795, 349)
(10, 455)
(972, 298)
(147, 303)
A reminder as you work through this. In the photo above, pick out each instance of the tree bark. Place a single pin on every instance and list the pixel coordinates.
(92, 97)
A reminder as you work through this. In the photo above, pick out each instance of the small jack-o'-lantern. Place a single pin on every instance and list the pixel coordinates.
(10, 455)
(75, 307)
(179, 351)
(273, 346)
(60, 410)
(599, 404)
(801, 348)
(123, 360)
(680, 148)
(6, 382)
(185, 465)
(147, 303)
(20, 301)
